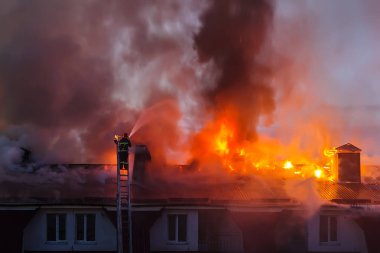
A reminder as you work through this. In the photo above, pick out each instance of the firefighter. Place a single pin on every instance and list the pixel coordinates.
(124, 145)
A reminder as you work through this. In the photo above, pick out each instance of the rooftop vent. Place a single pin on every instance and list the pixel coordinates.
(142, 156)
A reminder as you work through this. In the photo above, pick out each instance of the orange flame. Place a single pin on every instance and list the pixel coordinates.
(318, 173)
(218, 140)
(288, 165)
(222, 139)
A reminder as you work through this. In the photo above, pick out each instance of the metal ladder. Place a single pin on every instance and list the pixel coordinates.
(123, 208)
(125, 204)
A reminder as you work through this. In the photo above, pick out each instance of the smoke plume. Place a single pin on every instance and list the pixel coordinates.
(74, 74)
(232, 37)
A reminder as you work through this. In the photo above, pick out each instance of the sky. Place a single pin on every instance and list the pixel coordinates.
(72, 74)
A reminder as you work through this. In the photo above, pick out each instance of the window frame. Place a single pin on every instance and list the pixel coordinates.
(57, 227)
(331, 229)
(85, 239)
(177, 231)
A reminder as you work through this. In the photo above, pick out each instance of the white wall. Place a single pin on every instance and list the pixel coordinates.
(350, 235)
(159, 235)
(35, 232)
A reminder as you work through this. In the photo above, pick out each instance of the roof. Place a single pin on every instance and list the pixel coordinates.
(63, 183)
(349, 193)
(95, 184)
(250, 191)
(348, 147)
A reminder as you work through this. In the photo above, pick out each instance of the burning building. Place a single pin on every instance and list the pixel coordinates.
(241, 120)
(76, 210)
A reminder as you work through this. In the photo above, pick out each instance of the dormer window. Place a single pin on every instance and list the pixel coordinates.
(55, 227)
(328, 229)
(85, 227)
(177, 227)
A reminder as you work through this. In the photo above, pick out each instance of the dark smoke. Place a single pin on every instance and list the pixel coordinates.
(232, 36)
(56, 79)
(73, 74)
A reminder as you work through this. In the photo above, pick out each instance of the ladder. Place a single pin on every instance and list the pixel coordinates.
(123, 207)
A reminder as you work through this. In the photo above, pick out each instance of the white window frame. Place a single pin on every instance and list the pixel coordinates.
(176, 240)
(57, 228)
(329, 230)
(85, 216)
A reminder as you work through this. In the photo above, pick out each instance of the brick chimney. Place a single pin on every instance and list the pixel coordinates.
(347, 163)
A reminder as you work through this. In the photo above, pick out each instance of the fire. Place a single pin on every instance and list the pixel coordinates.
(318, 173)
(218, 140)
(223, 137)
(288, 165)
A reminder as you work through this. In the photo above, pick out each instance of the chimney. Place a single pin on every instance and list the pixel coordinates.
(347, 163)
(142, 156)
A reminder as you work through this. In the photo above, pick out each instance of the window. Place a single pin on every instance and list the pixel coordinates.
(85, 227)
(55, 227)
(328, 229)
(177, 227)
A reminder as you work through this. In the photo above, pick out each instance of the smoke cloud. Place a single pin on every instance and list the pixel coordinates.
(232, 36)
(74, 74)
